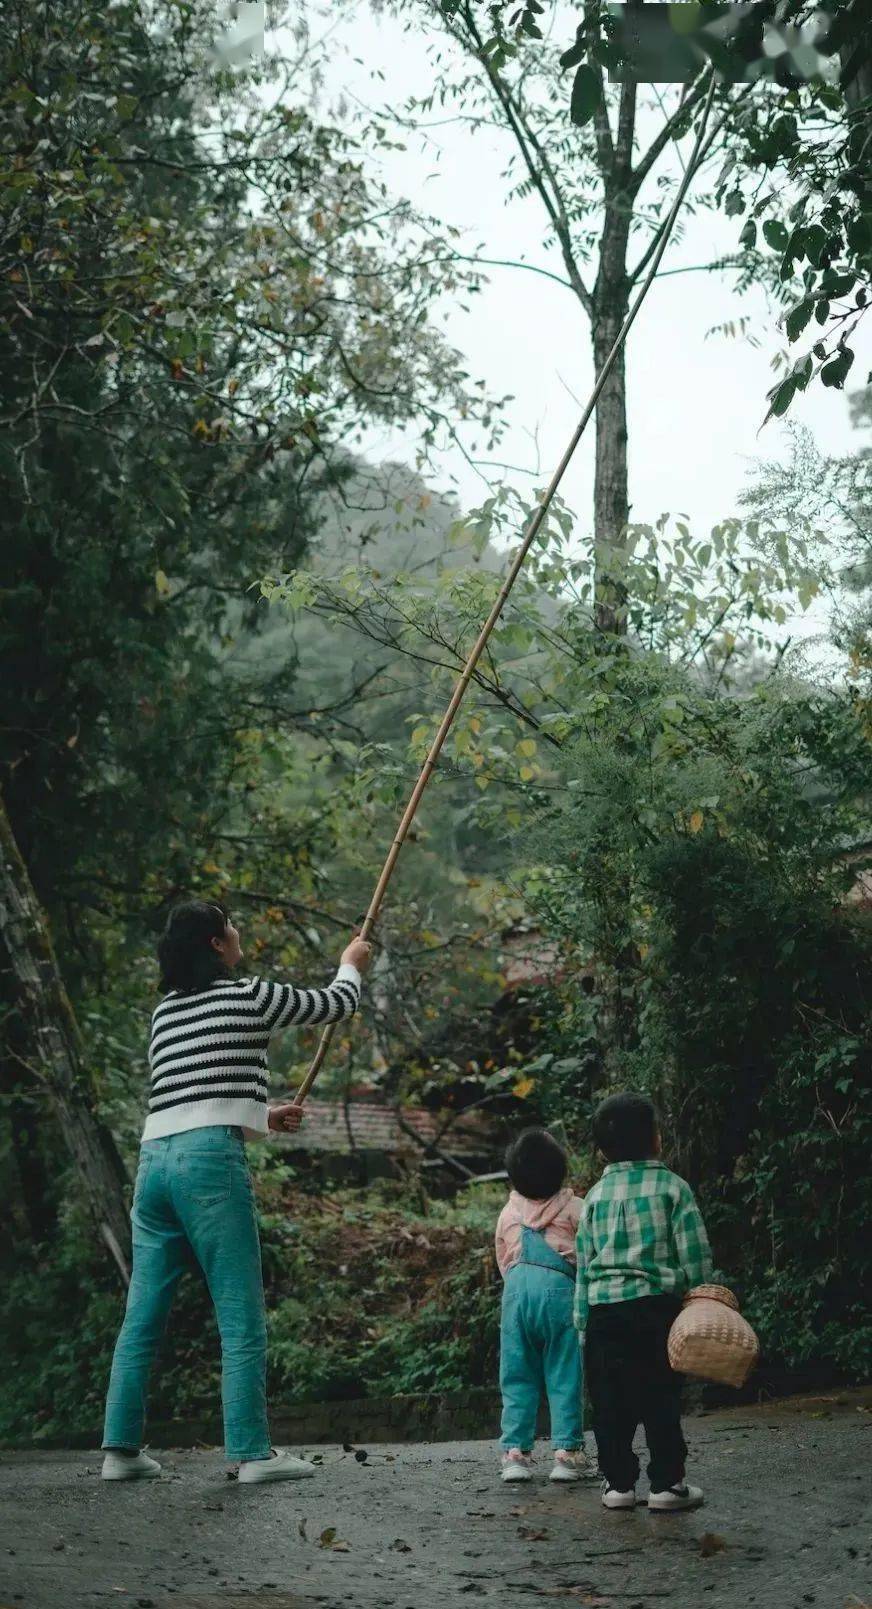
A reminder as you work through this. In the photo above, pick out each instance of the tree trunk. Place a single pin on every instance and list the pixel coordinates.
(855, 57)
(858, 95)
(28, 1141)
(611, 296)
(616, 1018)
(56, 1049)
(611, 509)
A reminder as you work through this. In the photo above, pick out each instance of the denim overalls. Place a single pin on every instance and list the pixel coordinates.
(539, 1347)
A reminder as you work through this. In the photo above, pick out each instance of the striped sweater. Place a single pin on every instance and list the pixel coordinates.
(208, 1051)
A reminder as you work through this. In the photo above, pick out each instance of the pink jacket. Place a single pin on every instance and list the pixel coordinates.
(557, 1218)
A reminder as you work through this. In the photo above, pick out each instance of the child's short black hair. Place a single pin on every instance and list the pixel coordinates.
(625, 1128)
(536, 1164)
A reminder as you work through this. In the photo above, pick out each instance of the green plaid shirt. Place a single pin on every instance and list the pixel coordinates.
(640, 1234)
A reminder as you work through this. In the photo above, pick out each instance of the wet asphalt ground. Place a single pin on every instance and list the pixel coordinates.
(787, 1523)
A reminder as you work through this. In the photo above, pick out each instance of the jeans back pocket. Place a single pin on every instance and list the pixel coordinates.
(207, 1178)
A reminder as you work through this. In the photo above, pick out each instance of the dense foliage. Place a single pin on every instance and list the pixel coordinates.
(369, 1293)
(226, 638)
(205, 300)
(707, 872)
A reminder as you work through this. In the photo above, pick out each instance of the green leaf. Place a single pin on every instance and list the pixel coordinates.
(577, 52)
(859, 234)
(748, 237)
(734, 204)
(586, 95)
(782, 397)
(802, 371)
(798, 318)
(814, 240)
(775, 234)
(835, 373)
(837, 284)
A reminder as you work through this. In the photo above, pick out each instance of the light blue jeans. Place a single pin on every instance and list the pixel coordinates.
(539, 1347)
(193, 1194)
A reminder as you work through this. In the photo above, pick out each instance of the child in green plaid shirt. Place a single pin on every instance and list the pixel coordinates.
(642, 1245)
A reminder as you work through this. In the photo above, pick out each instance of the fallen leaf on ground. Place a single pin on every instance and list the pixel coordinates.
(399, 1546)
(341, 1547)
(710, 1543)
(302, 1529)
(327, 1537)
(531, 1535)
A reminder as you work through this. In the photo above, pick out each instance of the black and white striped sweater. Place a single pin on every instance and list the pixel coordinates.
(208, 1051)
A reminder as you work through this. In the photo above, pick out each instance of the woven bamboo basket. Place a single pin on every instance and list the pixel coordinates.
(711, 1340)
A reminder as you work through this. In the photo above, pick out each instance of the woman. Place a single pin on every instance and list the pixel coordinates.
(208, 1059)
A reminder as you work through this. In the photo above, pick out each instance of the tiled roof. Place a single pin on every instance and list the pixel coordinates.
(375, 1128)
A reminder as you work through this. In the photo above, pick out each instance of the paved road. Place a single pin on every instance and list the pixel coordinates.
(788, 1522)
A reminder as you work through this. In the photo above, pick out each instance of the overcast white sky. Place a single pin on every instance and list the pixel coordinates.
(695, 405)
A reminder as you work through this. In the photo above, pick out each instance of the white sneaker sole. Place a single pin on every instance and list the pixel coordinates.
(255, 1478)
(623, 1501)
(675, 1508)
(516, 1476)
(563, 1476)
(131, 1475)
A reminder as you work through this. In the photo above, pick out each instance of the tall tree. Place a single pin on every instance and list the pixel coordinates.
(204, 300)
(199, 314)
(603, 189)
(58, 1060)
(798, 173)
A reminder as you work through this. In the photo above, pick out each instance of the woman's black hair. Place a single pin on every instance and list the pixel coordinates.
(536, 1164)
(187, 960)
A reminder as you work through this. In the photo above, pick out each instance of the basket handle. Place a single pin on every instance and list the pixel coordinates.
(713, 1293)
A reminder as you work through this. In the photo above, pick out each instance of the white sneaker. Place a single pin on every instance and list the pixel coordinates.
(569, 1466)
(612, 1498)
(280, 1466)
(123, 1467)
(516, 1465)
(675, 1499)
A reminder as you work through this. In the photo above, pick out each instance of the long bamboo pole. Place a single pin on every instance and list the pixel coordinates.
(530, 534)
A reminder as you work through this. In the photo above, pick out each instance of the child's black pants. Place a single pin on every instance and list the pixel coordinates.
(630, 1383)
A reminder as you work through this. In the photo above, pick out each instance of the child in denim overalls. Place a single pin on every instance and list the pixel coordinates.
(539, 1346)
